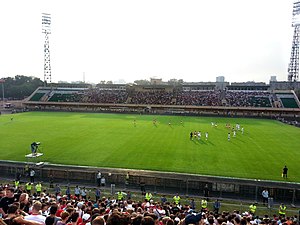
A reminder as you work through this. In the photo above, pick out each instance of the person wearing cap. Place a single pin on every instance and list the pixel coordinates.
(282, 210)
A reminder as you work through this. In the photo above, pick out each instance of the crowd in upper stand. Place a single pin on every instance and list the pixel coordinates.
(248, 99)
(175, 97)
(199, 98)
(105, 96)
(152, 97)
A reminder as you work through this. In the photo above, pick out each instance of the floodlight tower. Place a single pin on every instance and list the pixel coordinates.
(46, 29)
(293, 70)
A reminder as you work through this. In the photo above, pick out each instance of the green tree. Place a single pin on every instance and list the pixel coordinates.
(20, 86)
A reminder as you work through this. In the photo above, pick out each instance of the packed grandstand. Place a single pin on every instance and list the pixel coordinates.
(167, 95)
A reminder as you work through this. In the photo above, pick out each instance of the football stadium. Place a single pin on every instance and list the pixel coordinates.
(150, 152)
(236, 140)
(210, 141)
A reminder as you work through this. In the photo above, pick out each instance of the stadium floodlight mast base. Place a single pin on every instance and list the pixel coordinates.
(46, 29)
(293, 70)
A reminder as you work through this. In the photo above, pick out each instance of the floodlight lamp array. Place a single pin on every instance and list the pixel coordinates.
(46, 22)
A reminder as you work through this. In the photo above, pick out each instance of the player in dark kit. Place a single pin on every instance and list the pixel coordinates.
(34, 147)
(284, 172)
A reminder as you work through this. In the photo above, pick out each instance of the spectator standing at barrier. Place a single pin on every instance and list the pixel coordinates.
(163, 199)
(26, 170)
(83, 193)
(127, 179)
(128, 195)
(32, 175)
(97, 193)
(206, 191)
(77, 191)
(51, 181)
(98, 176)
(18, 176)
(192, 204)
(68, 193)
(143, 189)
(265, 196)
(103, 182)
(284, 172)
(57, 190)
(217, 206)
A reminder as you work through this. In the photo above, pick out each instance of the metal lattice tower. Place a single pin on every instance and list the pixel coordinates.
(293, 70)
(46, 29)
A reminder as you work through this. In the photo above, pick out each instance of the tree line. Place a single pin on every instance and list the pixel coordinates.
(19, 87)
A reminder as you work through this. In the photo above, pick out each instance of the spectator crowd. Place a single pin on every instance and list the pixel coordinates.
(163, 97)
(19, 206)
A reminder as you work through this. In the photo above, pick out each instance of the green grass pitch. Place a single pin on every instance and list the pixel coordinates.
(113, 140)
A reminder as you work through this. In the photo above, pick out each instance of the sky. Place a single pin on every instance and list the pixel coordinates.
(128, 40)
